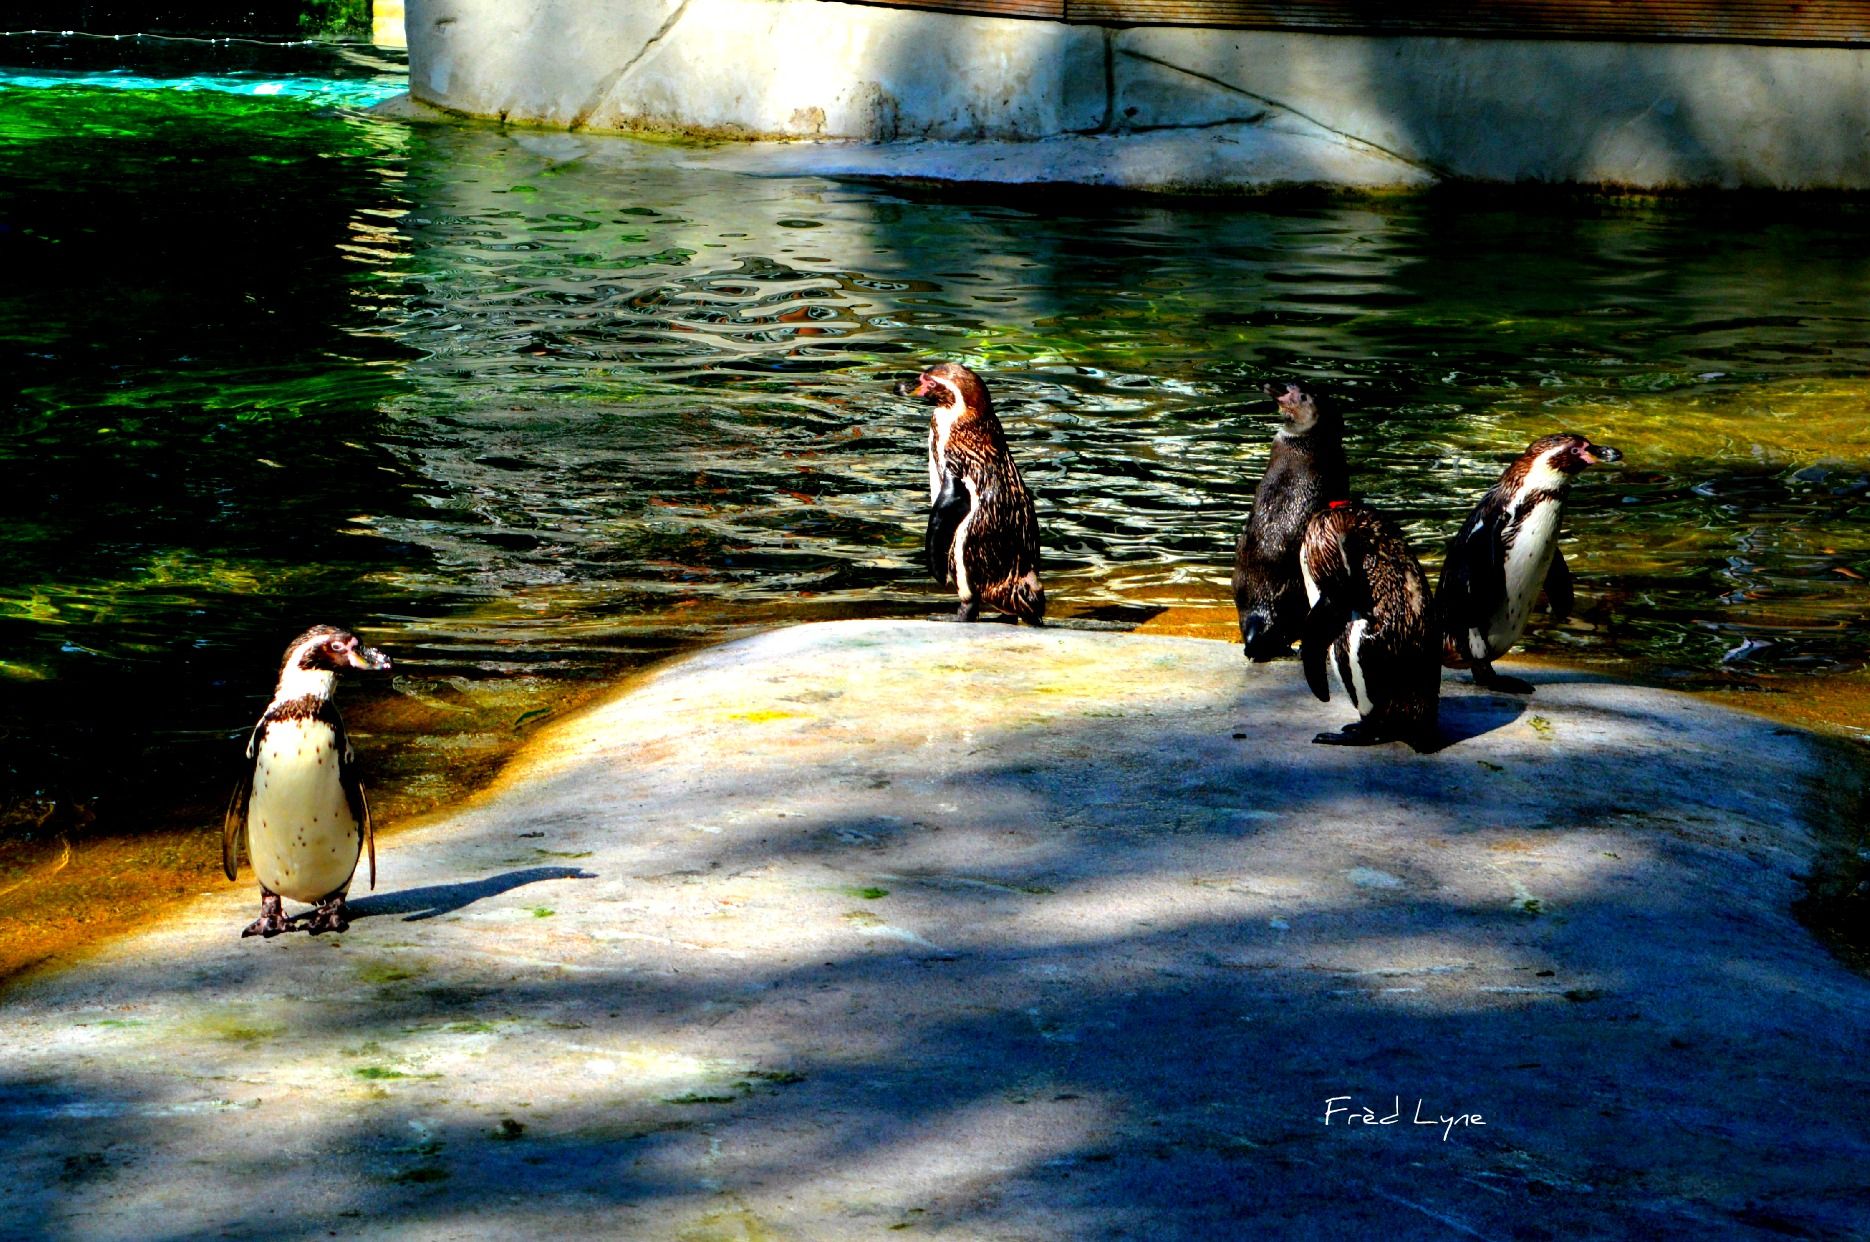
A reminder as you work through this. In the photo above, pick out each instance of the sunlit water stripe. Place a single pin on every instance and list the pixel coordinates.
(327, 92)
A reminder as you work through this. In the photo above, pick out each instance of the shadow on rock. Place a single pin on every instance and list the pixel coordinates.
(1465, 717)
(437, 899)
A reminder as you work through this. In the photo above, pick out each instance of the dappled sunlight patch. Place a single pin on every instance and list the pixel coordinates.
(996, 977)
(1704, 422)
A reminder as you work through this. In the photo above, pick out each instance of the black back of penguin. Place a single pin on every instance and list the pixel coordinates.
(1307, 469)
(1371, 622)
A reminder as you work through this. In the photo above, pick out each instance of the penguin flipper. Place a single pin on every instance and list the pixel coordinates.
(945, 517)
(1558, 595)
(354, 795)
(1475, 578)
(234, 821)
(370, 835)
(1323, 624)
(234, 824)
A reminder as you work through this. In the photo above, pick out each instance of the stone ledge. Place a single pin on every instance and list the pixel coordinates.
(1000, 932)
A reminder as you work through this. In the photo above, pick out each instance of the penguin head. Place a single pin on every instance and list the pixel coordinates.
(314, 659)
(1297, 407)
(950, 386)
(1567, 453)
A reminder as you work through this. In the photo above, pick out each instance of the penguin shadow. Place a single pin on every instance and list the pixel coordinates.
(432, 900)
(1464, 717)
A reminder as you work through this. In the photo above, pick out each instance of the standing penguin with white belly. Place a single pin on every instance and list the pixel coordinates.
(983, 536)
(1307, 469)
(1506, 552)
(1372, 625)
(300, 804)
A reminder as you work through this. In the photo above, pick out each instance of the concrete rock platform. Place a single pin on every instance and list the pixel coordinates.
(879, 929)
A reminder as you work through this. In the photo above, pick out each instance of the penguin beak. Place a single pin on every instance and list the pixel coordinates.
(1595, 453)
(917, 387)
(368, 658)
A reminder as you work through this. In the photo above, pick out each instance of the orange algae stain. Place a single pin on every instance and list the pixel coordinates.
(105, 886)
(1839, 703)
(1195, 621)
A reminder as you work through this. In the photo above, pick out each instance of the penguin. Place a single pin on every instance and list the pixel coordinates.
(299, 804)
(983, 537)
(1306, 470)
(1371, 622)
(1505, 552)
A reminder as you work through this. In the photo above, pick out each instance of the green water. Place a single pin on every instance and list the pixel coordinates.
(529, 409)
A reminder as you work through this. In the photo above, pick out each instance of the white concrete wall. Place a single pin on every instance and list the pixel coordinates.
(1639, 115)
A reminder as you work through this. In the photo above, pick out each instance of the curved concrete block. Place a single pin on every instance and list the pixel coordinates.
(1645, 116)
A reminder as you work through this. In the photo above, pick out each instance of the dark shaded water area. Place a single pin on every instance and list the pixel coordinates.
(530, 410)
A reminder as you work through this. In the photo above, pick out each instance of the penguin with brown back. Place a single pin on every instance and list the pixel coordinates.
(1371, 624)
(983, 535)
(299, 806)
(1506, 551)
(1307, 469)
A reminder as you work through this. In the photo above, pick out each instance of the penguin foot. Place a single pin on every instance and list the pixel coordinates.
(969, 609)
(272, 918)
(1487, 679)
(1354, 734)
(331, 916)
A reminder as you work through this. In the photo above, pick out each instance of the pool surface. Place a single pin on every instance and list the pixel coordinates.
(529, 410)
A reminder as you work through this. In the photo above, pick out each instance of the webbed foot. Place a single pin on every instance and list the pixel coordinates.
(969, 609)
(272, 918)
(1357, 733)
(1487, 679)
(332, 915)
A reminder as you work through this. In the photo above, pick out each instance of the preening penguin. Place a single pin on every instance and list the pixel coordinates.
(983, 537)
(300, 805)
(1370, 623)
(1506, 551)
(1307, 469)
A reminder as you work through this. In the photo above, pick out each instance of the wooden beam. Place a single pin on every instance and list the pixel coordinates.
(1838, 23)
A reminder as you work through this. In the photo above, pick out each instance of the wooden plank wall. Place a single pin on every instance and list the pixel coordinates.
(1819, 22)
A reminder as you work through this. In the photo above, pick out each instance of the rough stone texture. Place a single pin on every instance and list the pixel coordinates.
(834, 70)
(987, 932)
(1223, 159)
(760, 68)
(542, 64)
(1640, 114)
(1644, 115)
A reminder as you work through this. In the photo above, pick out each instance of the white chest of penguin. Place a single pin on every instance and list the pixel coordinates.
(301, 835)
(1528, 558)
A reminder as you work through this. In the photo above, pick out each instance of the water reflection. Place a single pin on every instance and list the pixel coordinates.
(532, 408)
(676, 380)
